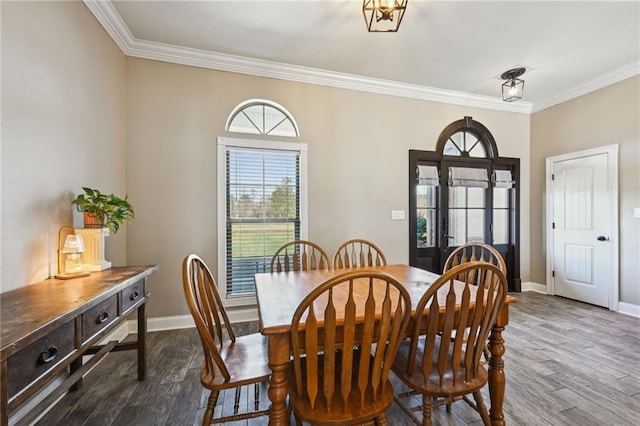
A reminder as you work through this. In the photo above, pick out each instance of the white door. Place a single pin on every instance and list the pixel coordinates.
(582, 229)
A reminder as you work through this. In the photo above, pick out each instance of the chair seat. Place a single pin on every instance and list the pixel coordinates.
(246, 361)
(352, 413)
(432, 386)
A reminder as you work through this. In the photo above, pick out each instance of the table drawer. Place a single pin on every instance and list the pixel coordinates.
(36, 359)
(132, 295)
(97, 318)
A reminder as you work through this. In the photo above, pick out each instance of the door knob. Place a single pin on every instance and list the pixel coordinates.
(602, 238)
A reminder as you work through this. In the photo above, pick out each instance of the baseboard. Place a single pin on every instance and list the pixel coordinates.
(623, 307)
(531, 286)
(629, 309)
(186, 321)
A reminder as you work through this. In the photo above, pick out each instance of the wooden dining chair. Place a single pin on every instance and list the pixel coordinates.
(470, 252)
(476, 251)
(229, 361)
(300, 255)
(344, 336)
(358, 253)
(439, 360)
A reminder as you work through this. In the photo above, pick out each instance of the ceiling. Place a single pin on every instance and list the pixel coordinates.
(453, 49)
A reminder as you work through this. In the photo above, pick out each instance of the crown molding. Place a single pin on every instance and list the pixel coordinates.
(111, 21)
(262, 68)
(615, 76)
(109, 18)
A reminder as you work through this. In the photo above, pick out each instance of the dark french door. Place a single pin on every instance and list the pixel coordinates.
(462, 202)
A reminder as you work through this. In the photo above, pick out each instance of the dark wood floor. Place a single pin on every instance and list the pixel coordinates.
(567, 363)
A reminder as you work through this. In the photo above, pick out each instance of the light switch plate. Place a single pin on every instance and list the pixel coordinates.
(636, 213)
(397, 214)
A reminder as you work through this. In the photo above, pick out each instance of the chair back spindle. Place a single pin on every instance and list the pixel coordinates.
(358, 253)
(299, 255)
(472, 252)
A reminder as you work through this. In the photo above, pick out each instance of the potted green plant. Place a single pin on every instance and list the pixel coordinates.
(102, 210)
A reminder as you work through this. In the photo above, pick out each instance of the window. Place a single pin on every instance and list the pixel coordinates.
(262, 117)
(465, 144)
(262, 204)
(262, 196)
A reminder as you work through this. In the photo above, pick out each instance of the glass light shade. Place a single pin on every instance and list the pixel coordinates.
(73, 244)
(73, 263)
(512, 90)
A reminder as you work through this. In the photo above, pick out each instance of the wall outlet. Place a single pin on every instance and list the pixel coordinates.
(397, 214)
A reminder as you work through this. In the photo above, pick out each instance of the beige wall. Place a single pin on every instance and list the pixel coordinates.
(76, 112)
(358, 162)
(607, 116)
(63, 127)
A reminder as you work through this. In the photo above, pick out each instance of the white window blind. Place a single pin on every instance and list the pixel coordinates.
(503, 179)
(428, 175)
(263, 211)
(469, 177)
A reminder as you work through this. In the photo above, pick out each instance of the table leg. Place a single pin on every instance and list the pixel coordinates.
(497, 377)
(4, 395)
(278, 360)
(142, 342)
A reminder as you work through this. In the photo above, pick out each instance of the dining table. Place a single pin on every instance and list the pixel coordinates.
(279, 294)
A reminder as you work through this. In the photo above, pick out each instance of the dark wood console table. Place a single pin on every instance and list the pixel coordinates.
(48, 326)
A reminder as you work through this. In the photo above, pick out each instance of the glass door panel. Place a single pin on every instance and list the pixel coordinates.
(501, 215)
(426, 216)
(466, 215)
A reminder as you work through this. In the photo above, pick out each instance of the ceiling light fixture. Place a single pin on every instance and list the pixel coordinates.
(512, 88)
(383, 15)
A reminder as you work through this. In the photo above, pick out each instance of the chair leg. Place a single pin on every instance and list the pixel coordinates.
(482, 409)
(381, 420)
(211, 405)
(426, 410)
(236, 401)
(256, 391)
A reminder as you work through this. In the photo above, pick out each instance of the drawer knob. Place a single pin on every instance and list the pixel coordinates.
(134, 296)
(102, 317)
(48, 355)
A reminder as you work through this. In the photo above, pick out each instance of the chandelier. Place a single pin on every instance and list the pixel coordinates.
(383, 15)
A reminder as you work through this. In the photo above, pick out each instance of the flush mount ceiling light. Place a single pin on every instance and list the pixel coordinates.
(513, 87)
(383, 15)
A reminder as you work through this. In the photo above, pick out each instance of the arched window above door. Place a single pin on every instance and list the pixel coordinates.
(467, 138)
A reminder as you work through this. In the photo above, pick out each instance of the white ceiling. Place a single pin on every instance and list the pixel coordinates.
(568, 48)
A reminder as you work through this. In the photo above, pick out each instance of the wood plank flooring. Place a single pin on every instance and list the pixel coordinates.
(567, 363)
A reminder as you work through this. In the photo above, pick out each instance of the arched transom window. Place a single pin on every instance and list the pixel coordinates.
(262, 117)
(467, 138)
(465, 144)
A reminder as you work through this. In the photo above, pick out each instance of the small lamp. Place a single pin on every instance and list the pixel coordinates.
(512, 89)
(383, 15)
(71, 251)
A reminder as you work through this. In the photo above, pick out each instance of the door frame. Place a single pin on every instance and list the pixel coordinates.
(612, 169)
(503, 163)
